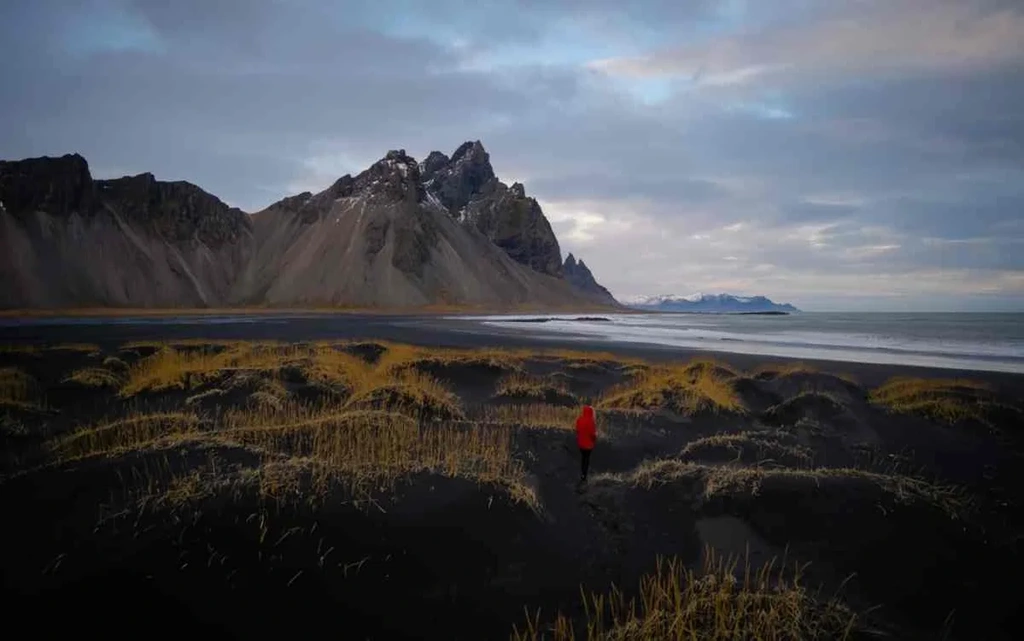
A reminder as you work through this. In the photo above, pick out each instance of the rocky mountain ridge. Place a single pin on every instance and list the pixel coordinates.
(399, 234)
(577, 273)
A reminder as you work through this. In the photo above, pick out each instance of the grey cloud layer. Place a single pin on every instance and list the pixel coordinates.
(873, 149)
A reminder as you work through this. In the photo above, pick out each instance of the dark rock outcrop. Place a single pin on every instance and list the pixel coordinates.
(178, 211)
(466, 186)
(577, 273)
(60, 186)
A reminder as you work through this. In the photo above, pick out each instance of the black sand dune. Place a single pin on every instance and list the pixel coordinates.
(384, 491)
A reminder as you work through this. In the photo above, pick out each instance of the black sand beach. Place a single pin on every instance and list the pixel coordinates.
(382, 484)
(422, 330)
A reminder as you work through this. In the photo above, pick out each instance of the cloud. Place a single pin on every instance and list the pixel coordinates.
(876, 37)
(870, 152)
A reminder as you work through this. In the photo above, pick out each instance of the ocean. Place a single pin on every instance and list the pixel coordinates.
(986, 342)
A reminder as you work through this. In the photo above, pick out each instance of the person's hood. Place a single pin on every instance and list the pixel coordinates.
(588, 411)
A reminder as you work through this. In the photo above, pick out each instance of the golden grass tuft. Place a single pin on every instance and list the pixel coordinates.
(398, 358)
(21, 350)
(383, 385)
(125, 435)
(172, 367)
(755, 448)
(718, 602)
(945, 400)
(82, 348)
(95, 377)
(408, 392)
(522, 385)
(699, 386)
(372, 449)
(331, 367)
(534, 415)
(17, 387)
(719, 481)
(785, 369)
(115, 363)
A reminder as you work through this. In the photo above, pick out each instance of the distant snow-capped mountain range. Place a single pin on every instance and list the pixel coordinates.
(708, 304)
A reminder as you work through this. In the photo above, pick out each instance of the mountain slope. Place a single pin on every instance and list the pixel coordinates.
(709, 303)
(388, 237)
(378, 240)
(67, 240)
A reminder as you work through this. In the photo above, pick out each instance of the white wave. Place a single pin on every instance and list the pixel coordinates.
(710, 335)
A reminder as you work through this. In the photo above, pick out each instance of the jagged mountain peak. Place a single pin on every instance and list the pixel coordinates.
(457, 180)
(431, 164)
(577, 273)
(471, 149)
(395, 177)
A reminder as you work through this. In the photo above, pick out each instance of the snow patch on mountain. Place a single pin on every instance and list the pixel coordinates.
(708, 303)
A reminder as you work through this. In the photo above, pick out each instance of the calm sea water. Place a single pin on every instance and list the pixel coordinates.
(991, 342)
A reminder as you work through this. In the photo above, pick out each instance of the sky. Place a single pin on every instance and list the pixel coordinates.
(856, 155)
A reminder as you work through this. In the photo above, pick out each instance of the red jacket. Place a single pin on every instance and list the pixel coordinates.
(586, 429)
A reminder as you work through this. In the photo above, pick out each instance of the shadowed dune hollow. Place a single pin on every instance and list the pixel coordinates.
(388, 491)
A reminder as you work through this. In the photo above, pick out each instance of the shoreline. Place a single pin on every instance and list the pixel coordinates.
(430, 310)
(427, 330)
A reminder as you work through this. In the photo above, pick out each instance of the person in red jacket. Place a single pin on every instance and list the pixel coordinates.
(586, 438)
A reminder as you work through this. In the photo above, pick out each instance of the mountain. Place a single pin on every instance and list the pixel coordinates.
(69, 240)
(709, 304)
(577, 273)
(466, 187)
(399, 234)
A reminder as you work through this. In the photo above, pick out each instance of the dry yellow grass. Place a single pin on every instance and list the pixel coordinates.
(755, 448)
(114, 363)
(384, 385)
(173, 368)
(22, 350)
(370, 450)
(797, 367)
(407, 391)
(532, 415)
(95, 377)
(365, 450)
(17, 387)
(699, 386)
(522, 385)
(714, 603)
(729, 480)
(84, 348)
(124, 435)
(945, 400)
(783, 369)
(400, 357)
(332, 367)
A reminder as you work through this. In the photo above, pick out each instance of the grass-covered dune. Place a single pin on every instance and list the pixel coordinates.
(381, 490)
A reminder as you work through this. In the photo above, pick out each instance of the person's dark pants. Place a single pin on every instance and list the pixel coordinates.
(584, 462)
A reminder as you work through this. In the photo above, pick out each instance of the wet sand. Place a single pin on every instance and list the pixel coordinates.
(429, 330)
